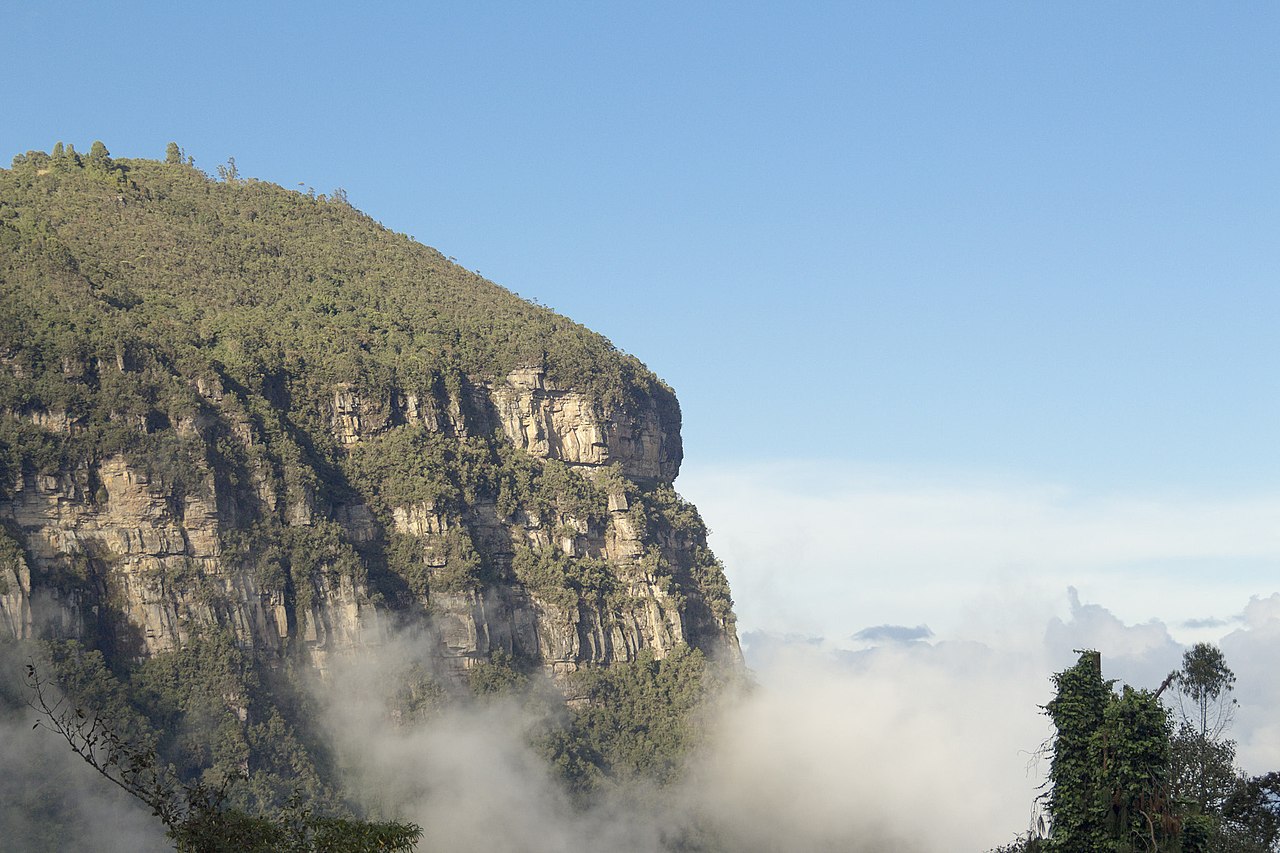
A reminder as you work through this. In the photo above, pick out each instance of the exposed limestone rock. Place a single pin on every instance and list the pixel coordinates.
(110, 548)
(354, 416)
(15, 594)
(557, 423)
(161, 566)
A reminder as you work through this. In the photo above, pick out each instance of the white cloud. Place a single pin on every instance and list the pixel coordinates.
(851, 753)
(1253, 652)
(834, 549)
(833, 727)
(1141, 654)
(1011, 578)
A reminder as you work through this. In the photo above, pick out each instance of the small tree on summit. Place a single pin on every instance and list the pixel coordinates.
(99, 158)
(173, 154)
(229, 173)
(59, 159)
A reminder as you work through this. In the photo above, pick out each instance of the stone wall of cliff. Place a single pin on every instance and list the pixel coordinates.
(110, 551)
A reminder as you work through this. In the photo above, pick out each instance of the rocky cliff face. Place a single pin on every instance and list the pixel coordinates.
(228, 409)
(534, 414)
(558, 423)
(111, 550)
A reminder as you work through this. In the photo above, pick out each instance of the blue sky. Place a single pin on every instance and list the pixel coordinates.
(1022, 238)
(966, 303)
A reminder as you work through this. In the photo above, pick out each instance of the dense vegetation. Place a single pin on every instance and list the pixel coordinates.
(272, 286)
(1131, 773)
(200, 329)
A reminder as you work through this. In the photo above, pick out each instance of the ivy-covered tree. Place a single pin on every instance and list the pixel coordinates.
(1134, 751)
(1123, 780)
(1109, 773)
(1075, 800)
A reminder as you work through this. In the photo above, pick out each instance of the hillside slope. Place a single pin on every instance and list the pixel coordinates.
(238, 417)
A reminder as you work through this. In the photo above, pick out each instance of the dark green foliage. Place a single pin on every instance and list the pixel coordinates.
(318, 556)
(201, 815)
(84, 677)
(460, 567)
(677, 523)
(206, 709)
(99, 158)
(1202, 770)
(545, 573)
(1123, 781)
(1021, 845)
(497, 676)
(1077, 801)
(1198, 833)
(1110, 765)
(210, 826)
(264, 275)
(413, 465)
(638, 719)
(1134, 748)
(562, 580)
(12, 559)
(1251, 815)
(1116, 775)
(405, 558)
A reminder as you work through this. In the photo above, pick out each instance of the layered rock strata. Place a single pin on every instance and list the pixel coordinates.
(112, 550)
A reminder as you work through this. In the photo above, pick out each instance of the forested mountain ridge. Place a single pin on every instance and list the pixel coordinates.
(245, 429)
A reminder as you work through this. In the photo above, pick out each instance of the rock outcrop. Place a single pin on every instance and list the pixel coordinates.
(557, 423)
(108, 549)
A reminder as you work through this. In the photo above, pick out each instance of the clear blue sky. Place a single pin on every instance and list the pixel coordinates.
(1039, 239)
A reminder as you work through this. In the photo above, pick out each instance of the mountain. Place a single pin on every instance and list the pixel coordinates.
(247, 433)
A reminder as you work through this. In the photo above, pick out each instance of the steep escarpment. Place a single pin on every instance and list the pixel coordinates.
(231, 407)
(249, 437)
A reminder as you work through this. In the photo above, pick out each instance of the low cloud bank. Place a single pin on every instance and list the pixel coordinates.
(906, 746)
(902, 637)
(935, 745)
(918, 746)
(51, 800)
(832, 548)
(1253, 651)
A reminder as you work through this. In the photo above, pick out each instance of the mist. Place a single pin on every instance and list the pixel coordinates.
(904, 743)
(910, 746)
(50, 799)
